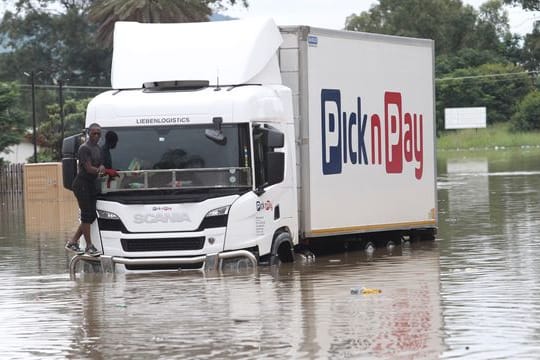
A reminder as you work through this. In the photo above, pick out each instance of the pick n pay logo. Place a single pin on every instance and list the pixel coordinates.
(396, 136)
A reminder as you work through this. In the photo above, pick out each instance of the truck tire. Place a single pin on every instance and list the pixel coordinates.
(282, 249)
(369, 246)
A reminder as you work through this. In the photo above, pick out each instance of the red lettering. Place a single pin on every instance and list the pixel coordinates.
(376, 139)
(408, 138)
(419, 145)
(392, 127)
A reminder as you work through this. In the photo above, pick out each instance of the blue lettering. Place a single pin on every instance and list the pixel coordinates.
(331, 150)
(352, 153)
(362, 120)
(344, 137)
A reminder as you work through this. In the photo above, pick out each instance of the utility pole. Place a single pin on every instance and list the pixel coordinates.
(32, 75)
(61, 101)
(34, 135)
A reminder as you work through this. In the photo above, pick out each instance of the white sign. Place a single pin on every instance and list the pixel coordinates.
(465, 118)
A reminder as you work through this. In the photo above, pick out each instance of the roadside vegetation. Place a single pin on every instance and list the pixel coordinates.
(65, 45)
(494, 137)
(522, 130)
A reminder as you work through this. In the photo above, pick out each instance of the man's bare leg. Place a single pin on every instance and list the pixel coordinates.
(85, 228)
(77, 235)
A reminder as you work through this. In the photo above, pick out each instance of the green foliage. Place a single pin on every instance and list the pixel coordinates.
(527, 116)
(498, 87)
(466, 58)
(50, 131)
(512, 49)
(451, 24)
(445, 21)
(531, 50)
(496, 136)
(11, 124)
(54, 46)
(525, 4)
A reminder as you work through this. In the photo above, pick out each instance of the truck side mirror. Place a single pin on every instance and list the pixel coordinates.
(275, 167)
(273, 138)
(70, 147)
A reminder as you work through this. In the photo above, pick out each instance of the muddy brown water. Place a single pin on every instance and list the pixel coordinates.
(472, 293)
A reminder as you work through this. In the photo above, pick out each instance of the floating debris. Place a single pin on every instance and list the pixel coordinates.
(365, 291)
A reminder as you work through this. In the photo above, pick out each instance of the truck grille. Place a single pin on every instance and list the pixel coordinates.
(165, 267)
(167, 244)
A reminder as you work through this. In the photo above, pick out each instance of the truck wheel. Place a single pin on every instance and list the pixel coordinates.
(304, 253)
(369, 247)
(282, 249)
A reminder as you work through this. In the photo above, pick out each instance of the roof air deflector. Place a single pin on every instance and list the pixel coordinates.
(175, 85)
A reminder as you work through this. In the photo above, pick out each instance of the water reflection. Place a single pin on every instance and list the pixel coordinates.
(297, 311)
(473, 293)
(302, 310)
(489, 273)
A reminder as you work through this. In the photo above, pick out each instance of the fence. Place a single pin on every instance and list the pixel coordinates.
(11, 179)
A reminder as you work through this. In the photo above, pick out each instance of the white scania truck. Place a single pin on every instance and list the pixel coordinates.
(244, 139)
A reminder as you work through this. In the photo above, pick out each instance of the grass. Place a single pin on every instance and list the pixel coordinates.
(493, 137)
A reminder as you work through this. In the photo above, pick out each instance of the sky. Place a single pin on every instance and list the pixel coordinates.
(332, 13)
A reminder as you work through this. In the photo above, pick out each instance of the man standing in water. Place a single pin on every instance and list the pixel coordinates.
(85, 190)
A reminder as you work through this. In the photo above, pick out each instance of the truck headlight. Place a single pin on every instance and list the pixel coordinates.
(215, 218)
(102, 214)
(224, 210)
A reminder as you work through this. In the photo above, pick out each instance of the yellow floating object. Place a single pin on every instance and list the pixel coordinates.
(368, 291)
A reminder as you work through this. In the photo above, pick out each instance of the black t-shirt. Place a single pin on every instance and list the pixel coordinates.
(88, 151)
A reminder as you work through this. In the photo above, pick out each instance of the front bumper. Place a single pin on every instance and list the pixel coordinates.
(209, 262)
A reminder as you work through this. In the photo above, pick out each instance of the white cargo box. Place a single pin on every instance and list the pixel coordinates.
(364, 114)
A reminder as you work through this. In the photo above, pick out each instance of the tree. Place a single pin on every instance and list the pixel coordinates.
(447, 22)
(451, 24)
(531, 50)
(55, 46)
(11, 124)
(525, 4)
(498, 87)
(106, 12)
(527, 116)
(492, 25)
(50, 130)
(466, 58)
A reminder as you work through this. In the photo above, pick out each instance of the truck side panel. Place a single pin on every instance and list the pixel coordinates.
(369, 140)
(293, 66)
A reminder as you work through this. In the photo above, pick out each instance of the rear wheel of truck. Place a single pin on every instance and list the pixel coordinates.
(369, 246)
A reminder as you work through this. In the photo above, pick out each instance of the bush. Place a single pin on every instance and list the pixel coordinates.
(527, 116)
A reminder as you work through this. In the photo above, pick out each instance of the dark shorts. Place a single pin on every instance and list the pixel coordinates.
(86, 194)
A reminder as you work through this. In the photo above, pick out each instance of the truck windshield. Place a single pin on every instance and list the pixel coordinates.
(177, 157)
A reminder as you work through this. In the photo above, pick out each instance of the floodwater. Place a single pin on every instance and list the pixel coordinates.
(472, 293)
